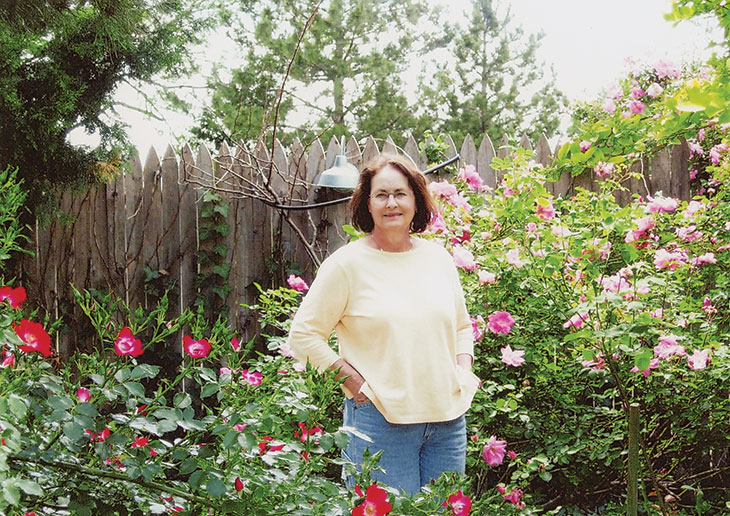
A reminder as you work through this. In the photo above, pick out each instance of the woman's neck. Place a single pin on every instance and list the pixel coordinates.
(390, 242)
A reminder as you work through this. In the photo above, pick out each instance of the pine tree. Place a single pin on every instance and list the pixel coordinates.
(60, 64)
(491, 84)
(345, 77)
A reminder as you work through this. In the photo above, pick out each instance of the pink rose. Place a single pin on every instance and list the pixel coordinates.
(500, 322)
(493, 452)
(252, 377)
(576, 321)
(510, 357)
(470, 176)
(127, 344)
(464, 259)
(83, 394)
(486, 277)
(513, 258)
(654, 90)
(661, 204)
(297, 283)
(699, 359)
(603, 169)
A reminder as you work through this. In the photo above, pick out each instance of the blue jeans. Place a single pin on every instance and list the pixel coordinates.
(413, 454)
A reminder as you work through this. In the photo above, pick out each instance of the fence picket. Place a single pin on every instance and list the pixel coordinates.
(468, 151)
(484, 162)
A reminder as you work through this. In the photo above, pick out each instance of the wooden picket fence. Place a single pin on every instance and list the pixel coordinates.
(148, 218)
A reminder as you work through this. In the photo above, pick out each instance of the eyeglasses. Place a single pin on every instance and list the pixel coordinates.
(383, 197)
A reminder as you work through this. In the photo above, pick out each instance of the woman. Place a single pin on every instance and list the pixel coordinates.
(405, 337)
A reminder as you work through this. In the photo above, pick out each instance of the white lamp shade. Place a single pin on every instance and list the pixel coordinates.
(342, 175)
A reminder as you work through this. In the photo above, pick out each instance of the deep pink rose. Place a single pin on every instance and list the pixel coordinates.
(127, 344)
(196, 348)
(252, 377)
(83, 394)
(460, 504)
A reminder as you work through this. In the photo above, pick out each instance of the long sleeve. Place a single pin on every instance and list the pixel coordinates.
(321, 309)
(464, 333)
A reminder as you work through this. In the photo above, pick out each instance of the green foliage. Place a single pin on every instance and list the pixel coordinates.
(212, 279)
(486, 90)
(11, 230)
(61, 64)
(342, 58)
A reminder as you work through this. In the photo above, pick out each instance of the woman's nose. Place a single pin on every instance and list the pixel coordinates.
(391, 200)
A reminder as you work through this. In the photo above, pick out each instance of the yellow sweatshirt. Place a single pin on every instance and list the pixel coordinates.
(400, 320)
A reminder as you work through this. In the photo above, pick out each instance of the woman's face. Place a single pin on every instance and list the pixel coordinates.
(392, 203)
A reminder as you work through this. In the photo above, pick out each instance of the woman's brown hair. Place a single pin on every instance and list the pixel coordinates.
(425, 205)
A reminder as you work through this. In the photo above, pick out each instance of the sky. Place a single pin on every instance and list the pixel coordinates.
(586, 42)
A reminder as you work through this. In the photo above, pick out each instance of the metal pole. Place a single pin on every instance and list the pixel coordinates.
(633, 473)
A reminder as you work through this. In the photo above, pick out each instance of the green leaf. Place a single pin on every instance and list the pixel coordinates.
(222, 270)
(73, 431)
(643, 360)
(135, 389)
(122, 375)
(166, 425)
(182, 400)
(689, 107)
(216, 487)
(87, 409)
(208, 390)
(546, 476)
(188, 466)
(145, 371)
(230, 438)
(30, 487)
(11, 494)
(17, 406)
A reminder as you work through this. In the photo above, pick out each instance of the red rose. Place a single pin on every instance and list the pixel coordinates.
(34, 336)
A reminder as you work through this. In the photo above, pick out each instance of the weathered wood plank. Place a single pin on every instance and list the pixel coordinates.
(370, 150)
(135, 224)
(484, 162)
(411, 150)
(468, 152)
(170, 251)
(188, 220)
(389, 147)
(679, 165)
(151, 221)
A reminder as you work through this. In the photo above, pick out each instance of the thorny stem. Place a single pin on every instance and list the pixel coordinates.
(96, 473)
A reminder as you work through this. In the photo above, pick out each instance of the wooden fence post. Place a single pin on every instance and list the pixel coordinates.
(633, 470)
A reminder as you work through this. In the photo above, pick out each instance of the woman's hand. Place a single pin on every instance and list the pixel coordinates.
(464, 360)
(353, 380)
